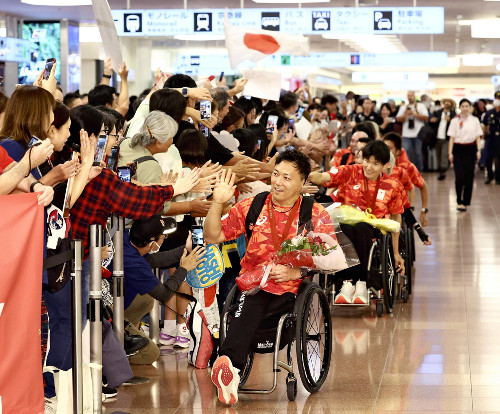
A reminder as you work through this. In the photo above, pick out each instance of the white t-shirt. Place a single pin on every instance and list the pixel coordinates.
(441, 134)
(465, 130)
(422, 110)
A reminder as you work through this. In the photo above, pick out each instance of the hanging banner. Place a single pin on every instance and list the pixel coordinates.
(21, 261)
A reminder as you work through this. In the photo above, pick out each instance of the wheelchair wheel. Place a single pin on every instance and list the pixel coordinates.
(291, 387)
(230, 299)
(388, 275)
(408, 257)
(313, 337)
(245, 373)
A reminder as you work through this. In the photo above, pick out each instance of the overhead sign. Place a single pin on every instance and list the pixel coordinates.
(333, 20)
(207, 64)
(14, 50)
(380, 77)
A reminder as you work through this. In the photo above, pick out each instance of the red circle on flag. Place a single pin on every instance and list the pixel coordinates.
(263, 43)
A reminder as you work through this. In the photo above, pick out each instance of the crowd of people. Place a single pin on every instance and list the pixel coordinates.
(162, 164)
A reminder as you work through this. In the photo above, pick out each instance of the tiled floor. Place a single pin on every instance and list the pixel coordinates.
(438, 353)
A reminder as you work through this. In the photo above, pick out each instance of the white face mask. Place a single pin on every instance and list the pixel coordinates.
(496, 103)
(154, 251)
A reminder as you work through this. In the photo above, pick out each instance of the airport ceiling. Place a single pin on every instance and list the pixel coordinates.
(456, 39)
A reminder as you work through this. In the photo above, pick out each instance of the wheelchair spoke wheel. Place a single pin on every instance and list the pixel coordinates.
(313, 338)
(245, 373)
(408, 257)
(388, 275)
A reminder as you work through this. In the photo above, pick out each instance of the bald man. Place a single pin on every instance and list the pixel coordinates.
(346, 156)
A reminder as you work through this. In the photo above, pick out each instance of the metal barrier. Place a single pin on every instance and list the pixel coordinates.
(118, 299)
(95, 313)
(154, 318)
(76, 303)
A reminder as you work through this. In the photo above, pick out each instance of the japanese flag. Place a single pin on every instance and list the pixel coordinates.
(254, 44)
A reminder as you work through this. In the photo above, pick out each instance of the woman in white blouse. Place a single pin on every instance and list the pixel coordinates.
(465, 133)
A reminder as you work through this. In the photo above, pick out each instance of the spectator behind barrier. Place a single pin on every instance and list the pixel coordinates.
(249, 109)
(72, 100)
(103, 95)
(3, 104)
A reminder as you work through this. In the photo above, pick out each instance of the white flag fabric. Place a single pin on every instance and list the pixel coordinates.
(265, 85)
(107, 29)
(254, 44)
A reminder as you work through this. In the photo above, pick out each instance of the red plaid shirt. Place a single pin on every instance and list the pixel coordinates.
(350, 180)
(107, 194)
(337, 158)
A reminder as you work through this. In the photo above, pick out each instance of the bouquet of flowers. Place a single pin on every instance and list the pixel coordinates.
(352, 215)
(316, 248)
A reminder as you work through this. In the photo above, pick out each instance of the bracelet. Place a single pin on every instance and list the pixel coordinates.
(106, 76)
(32, 186)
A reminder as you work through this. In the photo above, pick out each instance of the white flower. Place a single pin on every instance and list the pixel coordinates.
(296, 240)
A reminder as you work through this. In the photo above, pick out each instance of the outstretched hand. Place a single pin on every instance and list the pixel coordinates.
(224, 189)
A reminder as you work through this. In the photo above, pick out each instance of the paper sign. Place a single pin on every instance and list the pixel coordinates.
(303, 128)
(265, 85)
(209, 272)
(107, 29)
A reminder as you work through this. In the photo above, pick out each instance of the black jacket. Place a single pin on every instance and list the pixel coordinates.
(437, 115)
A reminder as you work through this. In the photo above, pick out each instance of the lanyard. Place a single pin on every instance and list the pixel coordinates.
(370, 205)
(272, 221)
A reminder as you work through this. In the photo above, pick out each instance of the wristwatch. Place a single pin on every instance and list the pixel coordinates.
(106, 76)
(185, 92)
(425, 210)
(32, 186)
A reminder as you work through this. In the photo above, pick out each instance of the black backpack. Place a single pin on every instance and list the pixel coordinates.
(305, 213)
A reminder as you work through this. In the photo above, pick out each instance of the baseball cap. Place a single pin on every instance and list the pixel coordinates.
(150, 228)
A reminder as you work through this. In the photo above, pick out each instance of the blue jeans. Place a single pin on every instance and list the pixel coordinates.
(413, 146)
(58, 305)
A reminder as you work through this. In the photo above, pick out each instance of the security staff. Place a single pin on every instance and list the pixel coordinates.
(491, 127)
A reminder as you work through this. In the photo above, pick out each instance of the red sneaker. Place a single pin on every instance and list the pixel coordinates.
(226, 379)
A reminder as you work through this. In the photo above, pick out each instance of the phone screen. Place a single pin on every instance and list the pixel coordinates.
(48, 67)
(258, 144)
(197, 236)
(300, 112)
(204, 130)
(205, 109)
(113, 159)
(271, 124)
(124, 174)
(34, 141)
(221, 76)
(291, 124)
(100, 150)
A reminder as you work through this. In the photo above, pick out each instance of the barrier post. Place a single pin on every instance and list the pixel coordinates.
(76, 303)
(95, 313)
(118, 299)
(154, 318)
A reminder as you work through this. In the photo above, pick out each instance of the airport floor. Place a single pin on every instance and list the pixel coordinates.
(438, 353)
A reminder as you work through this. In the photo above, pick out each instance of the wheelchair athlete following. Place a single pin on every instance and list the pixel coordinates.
(278, 221)
(367, 187)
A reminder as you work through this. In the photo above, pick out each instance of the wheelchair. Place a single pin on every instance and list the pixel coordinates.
(308, 324)
(382, 277)
(407, 252)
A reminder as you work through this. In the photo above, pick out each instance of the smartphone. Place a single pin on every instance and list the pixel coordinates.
(100, 151)
(210, 196)
(258, 144)
(124, 174)
(290, 147)
(300, 112)
(291, 124)
(204, 130)
(113, 159)
(205, 109)
(197, 236)
(48, 67)
(221, 76)
(247, 97)
(34, 141)
(271, 123)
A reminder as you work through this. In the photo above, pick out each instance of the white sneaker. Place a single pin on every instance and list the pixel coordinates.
(50, 405)
(226, 378)
(346, 293)
(361, 294)
(183, 337)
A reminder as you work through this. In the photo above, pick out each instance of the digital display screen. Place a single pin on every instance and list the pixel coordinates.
(44, 43)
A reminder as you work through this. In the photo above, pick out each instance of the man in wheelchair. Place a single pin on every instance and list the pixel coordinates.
(368, 188)
(277, 221)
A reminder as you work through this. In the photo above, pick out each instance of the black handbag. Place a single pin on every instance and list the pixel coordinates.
(427, 135)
